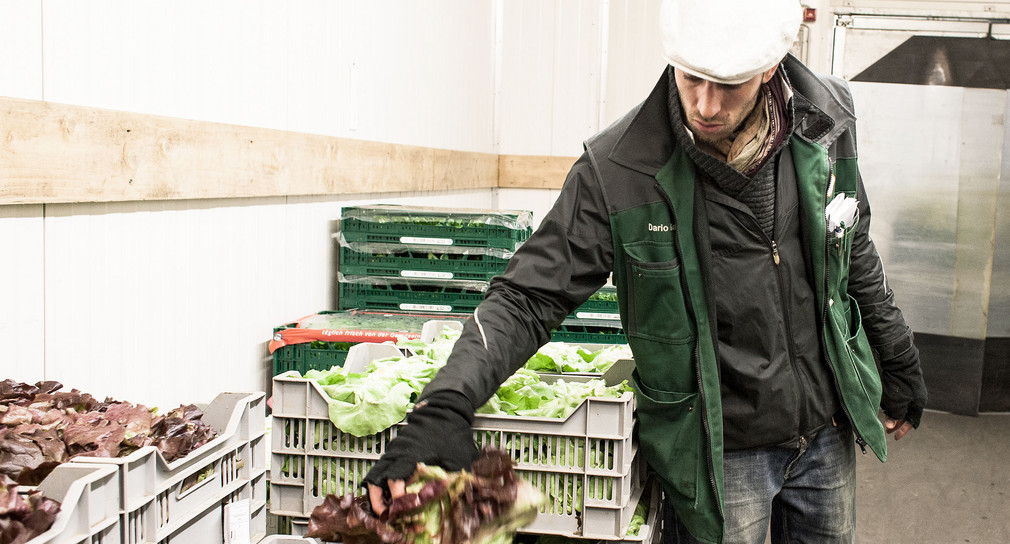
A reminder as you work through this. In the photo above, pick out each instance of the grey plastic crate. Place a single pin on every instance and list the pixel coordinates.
(159, 499)
(587, 459)
(287, 539)
(601, 527)
(208, 524)
(89, 498)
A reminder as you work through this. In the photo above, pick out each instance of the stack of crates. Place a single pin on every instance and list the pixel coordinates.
(424, 259)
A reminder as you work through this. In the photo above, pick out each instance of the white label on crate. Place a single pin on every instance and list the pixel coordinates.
(426, 307)
(426, 241)
(426, 274)
(594, 315)
(236, 522)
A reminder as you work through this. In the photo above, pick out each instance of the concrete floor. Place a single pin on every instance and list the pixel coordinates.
(947, 482)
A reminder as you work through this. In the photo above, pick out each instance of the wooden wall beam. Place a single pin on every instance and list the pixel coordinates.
(53, 153)
(533, 171)
(61, 153)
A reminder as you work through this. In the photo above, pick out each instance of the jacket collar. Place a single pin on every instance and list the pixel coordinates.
(647, 140)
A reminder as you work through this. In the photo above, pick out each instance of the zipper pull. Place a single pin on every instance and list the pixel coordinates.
(862, 444)
(775, 252)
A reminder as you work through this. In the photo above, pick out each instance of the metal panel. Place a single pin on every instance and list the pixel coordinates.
(932, 181)
(920, 26)
(999, 294)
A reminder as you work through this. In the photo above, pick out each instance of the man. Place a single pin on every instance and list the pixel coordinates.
(753, 325)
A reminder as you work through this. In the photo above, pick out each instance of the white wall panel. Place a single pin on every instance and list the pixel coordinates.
(172, 302)
(538, 201)
(551, 70)
(577, 75)
(394, 71)
(21, 49)
(634, 55)
(526, 98)
(21, 293)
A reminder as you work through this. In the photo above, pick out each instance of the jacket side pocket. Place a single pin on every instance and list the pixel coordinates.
(671, 434)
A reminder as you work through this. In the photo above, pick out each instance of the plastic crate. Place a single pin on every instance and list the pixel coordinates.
(368, 228)
(589, 331)
(600, 306)
(599, 522)
(89, 505)
(160, 500)
(301, 346)
(287, 539)
(587, 458)
(421, 265)
(311, 356)
(408, 296)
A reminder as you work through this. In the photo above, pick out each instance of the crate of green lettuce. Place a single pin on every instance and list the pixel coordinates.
(419, 264)
(589, 331)
(407, 295)
(570, 437)
(602, 305)
(446, 230)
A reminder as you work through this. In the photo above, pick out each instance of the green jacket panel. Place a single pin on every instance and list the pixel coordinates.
(666, 321)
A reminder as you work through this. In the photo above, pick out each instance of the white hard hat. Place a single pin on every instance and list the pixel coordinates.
(728, 41)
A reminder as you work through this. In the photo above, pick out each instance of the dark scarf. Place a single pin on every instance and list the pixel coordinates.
(755, 187)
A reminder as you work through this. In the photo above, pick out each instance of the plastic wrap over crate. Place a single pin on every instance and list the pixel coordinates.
(387, 227)
(89, 499)
(602, 305)
(160, 500)
(419, 264)
(586, 463)
(409, 295)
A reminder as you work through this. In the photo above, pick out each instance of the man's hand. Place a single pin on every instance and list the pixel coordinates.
(376, 495)
(897, 427)
(437, 433)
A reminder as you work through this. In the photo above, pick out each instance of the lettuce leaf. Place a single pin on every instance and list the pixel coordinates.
(486, 505)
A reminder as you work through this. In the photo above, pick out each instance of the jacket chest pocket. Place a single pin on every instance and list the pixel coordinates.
(656, 308)
(659, 327)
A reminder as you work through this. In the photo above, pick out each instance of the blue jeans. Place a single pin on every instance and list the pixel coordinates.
(806, 495)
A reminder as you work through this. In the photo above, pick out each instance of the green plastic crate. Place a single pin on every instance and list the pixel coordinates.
(421, 264)
(323, 355)
(440, 227)
(602, 305)
(310, 356)
(408, 296)
(589, 331)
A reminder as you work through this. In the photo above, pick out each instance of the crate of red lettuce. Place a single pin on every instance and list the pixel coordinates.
(169, 466)
(75, 503)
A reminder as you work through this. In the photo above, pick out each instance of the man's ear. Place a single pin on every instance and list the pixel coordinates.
(767, 75)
